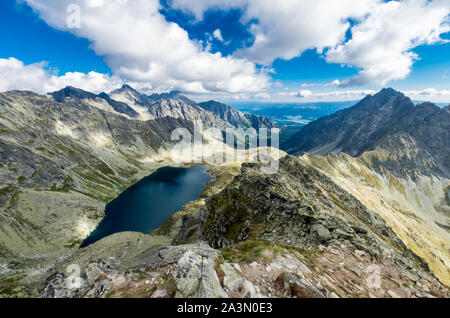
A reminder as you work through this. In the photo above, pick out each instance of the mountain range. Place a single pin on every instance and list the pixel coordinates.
(75, 150)
(128, 102)
(237, 118)
(388, 120)
(365, 190)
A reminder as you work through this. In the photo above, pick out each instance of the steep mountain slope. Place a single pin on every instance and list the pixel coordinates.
(102, 101)
(172, 104)
(60, 163)
(177, 106)
(417, 211)
(352, 130)
(399, 169)
(385, 121)
(126, 94)
(305, 209)
(257, 121)
(237, 118)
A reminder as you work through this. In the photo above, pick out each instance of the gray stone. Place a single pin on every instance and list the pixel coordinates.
(320, 233)
(343, 234)
(159, 293)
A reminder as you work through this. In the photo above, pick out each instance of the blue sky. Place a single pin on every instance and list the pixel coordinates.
(31, 40)
(226, 36)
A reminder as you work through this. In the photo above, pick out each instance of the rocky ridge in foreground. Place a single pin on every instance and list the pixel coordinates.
(309, 238)
(254, 269)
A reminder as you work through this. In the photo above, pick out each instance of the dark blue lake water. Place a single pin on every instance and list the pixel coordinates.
(146, 205)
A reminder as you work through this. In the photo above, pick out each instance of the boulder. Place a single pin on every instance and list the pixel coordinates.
(194, 271)
(320, 233)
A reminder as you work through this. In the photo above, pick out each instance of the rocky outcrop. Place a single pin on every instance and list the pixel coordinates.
(253, 269)
(298, 204)
(178, 271)
(194, 270)
(414, 206)
(237, 118)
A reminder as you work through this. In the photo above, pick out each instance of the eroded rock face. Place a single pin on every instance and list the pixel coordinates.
(297, 206)
(98, 277)
(237, 118)
(195, 273)
(178, 271)
(298, 287)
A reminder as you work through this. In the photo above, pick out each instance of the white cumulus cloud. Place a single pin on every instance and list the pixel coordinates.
(141, 46)
(285, 29)
(381, 45)
(15, 75)
(383, 33)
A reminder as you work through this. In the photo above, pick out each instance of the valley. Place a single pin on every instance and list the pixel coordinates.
(363, 192)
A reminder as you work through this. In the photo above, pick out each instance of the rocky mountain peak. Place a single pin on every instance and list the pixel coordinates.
(389, 91)
(220, 108)
(385, 96)
(128, 101)
(428, 106)
(235, 117)
(102, 100)
(366, 125)
(70, 91)
(213, 103)
(126, 90)
(173, 95)
(127, 87)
